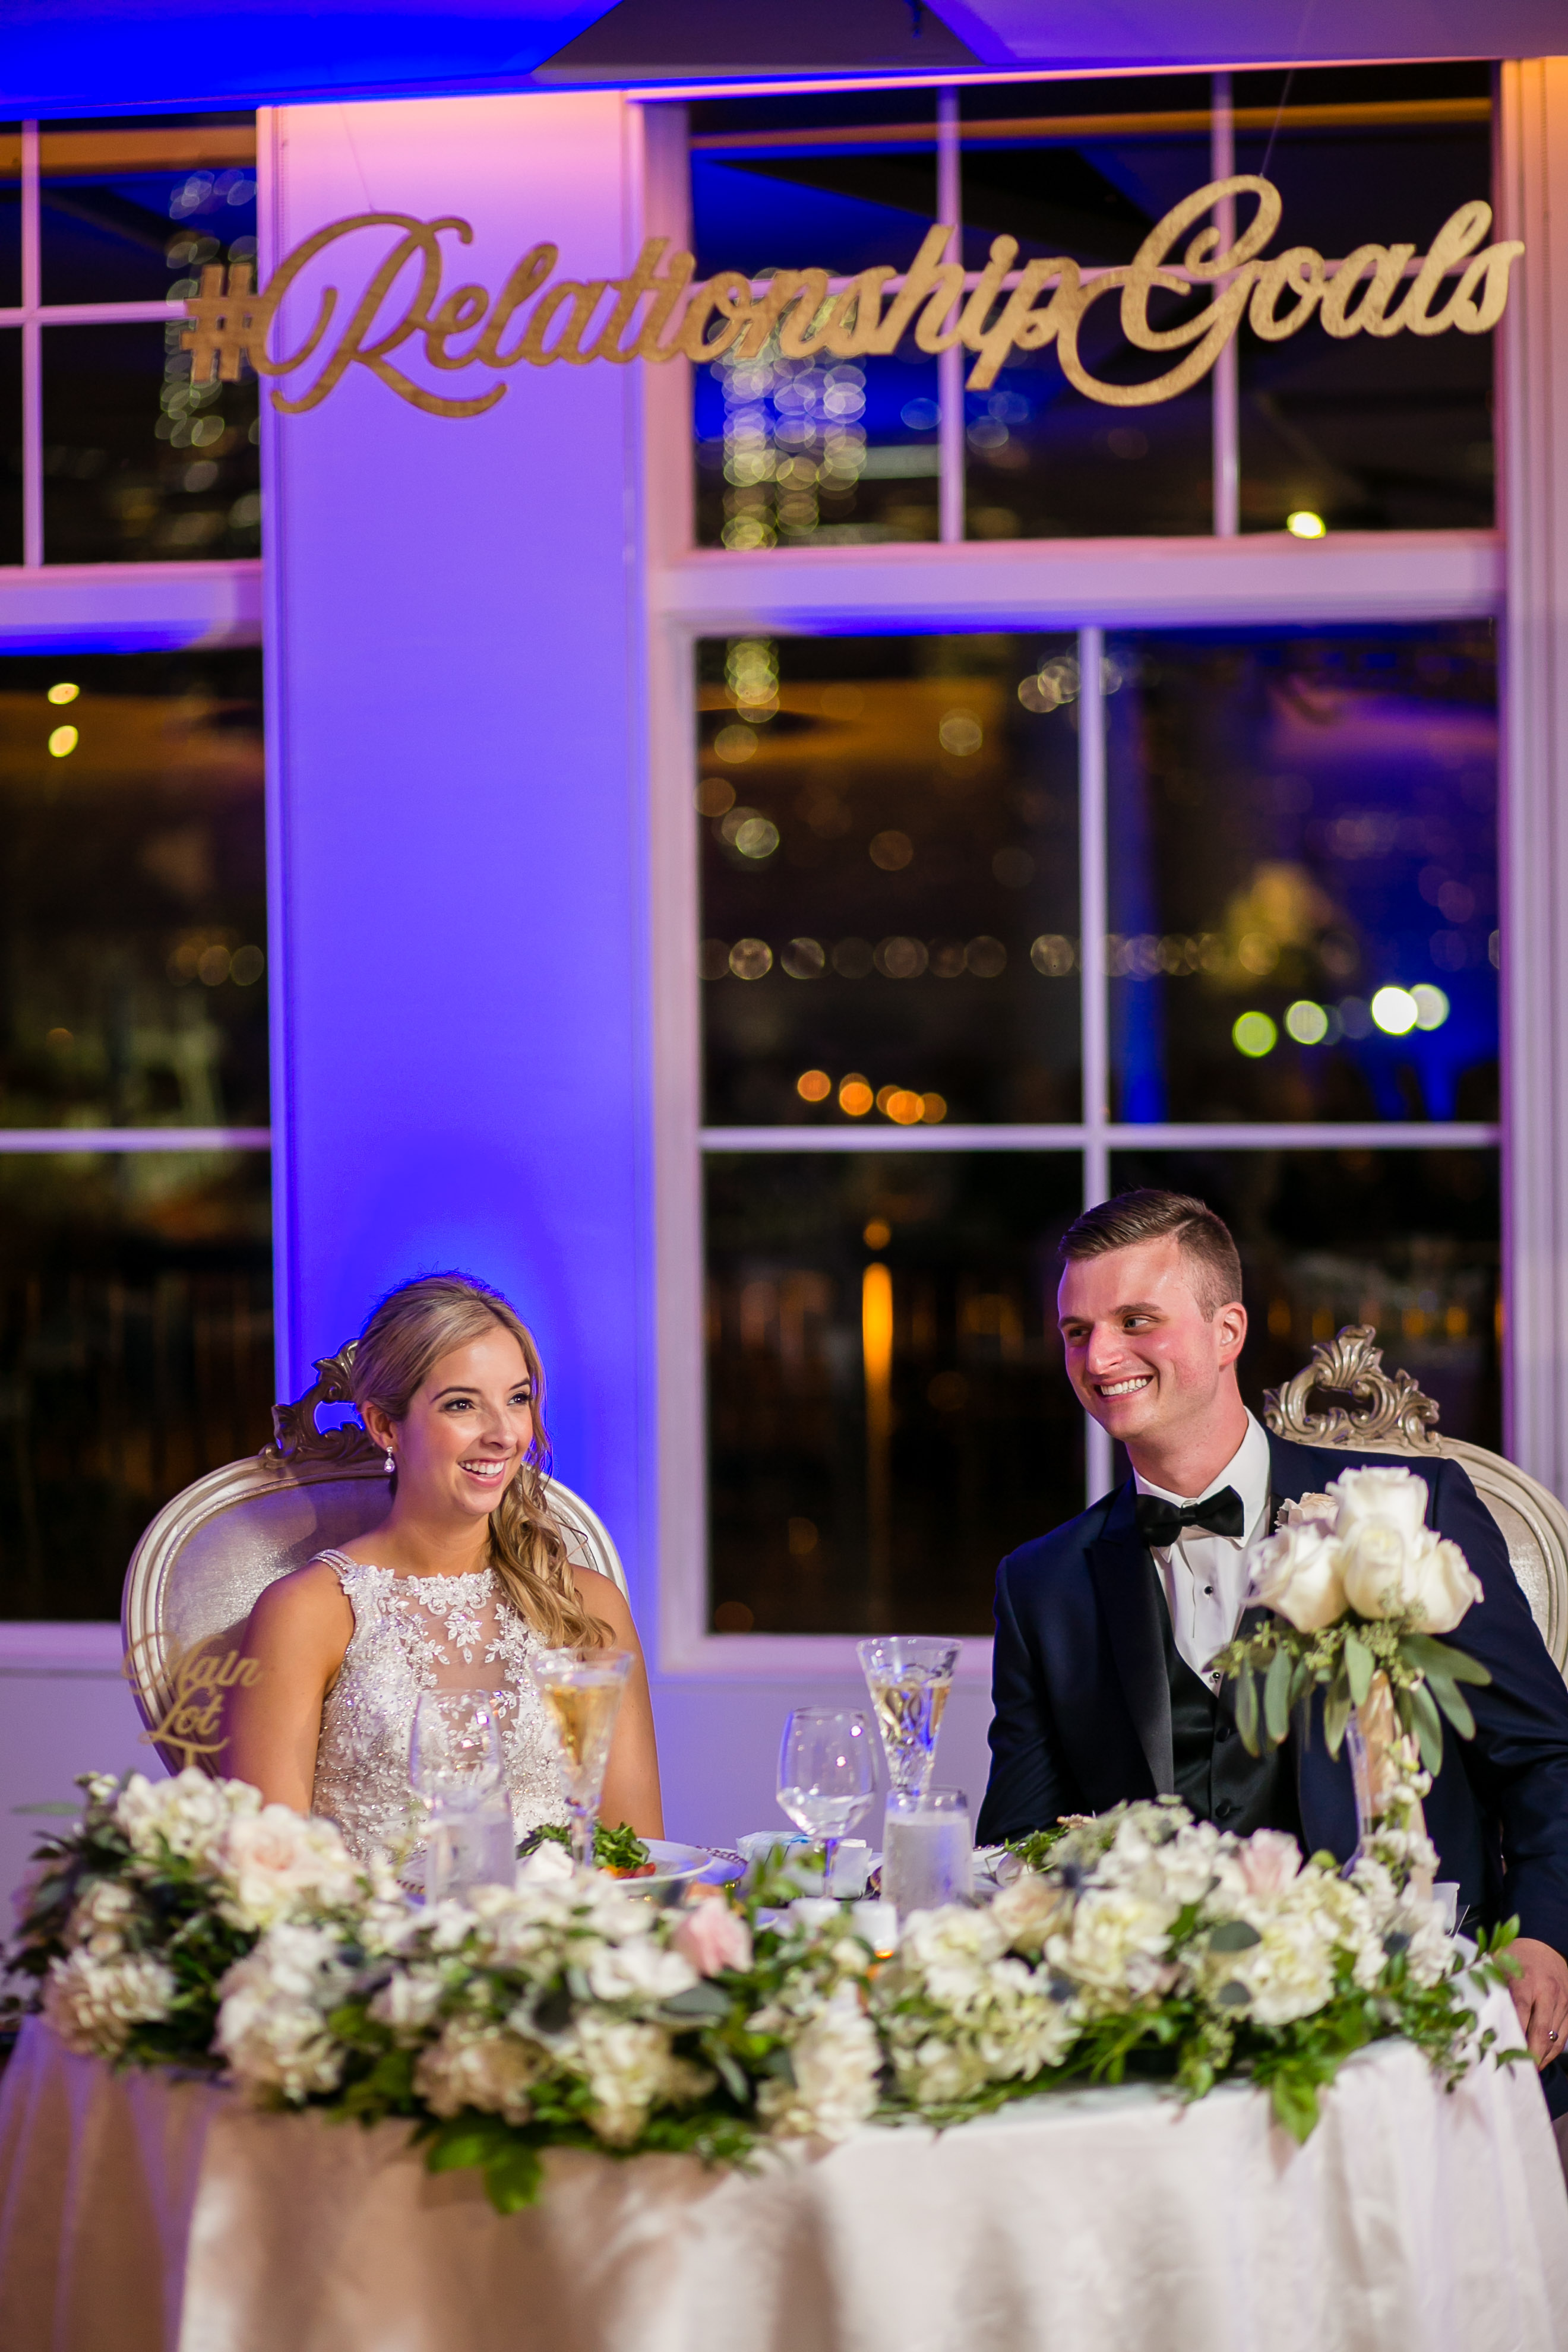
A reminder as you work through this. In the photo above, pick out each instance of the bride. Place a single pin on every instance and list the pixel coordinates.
(464, 1581)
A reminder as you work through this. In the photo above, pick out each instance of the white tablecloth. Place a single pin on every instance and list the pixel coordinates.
(138, 2215)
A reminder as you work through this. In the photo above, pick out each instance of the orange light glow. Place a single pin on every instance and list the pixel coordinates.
(855, 1096)
(813, 1086)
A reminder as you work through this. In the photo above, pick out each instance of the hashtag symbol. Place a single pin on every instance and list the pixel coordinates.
(226, 328)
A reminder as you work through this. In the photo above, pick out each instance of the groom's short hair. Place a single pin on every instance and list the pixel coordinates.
(1150, 1213)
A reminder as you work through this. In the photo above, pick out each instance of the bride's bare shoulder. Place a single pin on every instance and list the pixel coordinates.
(308, 1600)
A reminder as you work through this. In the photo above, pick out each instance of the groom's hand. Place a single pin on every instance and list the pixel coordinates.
(1540, 1997)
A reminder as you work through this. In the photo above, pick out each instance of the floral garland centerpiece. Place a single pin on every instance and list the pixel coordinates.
(1360, 1588)
(184, 1925)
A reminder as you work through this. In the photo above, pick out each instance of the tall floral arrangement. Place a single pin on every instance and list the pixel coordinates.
(185, 1923)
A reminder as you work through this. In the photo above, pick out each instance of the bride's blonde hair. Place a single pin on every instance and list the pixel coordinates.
(406, 1332)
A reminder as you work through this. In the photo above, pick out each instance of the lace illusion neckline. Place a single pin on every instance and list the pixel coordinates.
(469, 1584)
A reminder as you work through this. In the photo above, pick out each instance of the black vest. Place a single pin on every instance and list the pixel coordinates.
(1216, 1780)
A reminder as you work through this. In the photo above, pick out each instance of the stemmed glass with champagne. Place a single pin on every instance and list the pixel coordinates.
(909, 1677)
(827, 1774)
(582, 1690)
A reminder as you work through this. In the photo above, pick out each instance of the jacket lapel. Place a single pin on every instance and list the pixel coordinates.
(1129, 1602)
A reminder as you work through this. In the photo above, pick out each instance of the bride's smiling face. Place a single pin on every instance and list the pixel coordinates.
(466, 1430)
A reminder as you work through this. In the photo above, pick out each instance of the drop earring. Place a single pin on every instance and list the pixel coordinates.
(391, 1463)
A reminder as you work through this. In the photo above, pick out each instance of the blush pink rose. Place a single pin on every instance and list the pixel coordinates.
(1270, 1861)
(712, 1937)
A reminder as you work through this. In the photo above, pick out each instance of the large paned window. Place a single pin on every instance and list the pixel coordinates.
(109, 454)
(135, 1257)
(1363, 434)
(991, 924)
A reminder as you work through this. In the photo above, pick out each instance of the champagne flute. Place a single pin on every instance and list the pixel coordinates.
(582, 1691)
(909, 1677)
(827, 1773)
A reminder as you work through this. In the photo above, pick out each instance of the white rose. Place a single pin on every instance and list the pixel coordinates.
(1320, 1506)
(278, 1862)
(1390, 1574)
(1117, 1943)
(1029, 1910)
(92, 2004)
(1296, 1572)
(408, 2001)
(1288, 1974)
(1398, 1496)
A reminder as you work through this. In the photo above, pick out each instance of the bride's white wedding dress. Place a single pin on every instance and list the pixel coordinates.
(414, 1634)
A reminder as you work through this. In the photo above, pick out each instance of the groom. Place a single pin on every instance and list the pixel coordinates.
(1106, 1628)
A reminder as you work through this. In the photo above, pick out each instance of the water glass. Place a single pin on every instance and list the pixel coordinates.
(909, 1677)
(456, 1766)
(827, 1774)
(927, 1850)
(582, 1690)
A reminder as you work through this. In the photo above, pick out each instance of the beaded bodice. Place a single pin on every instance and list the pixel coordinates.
(414, 1634)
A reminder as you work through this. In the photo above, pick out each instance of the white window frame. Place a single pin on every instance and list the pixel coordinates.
(1091, 586)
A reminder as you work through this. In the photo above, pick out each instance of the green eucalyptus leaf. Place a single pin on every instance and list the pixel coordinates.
(1295, 2100)
(1454, 1706)
(1359, 1668)
(1428, 1728)
(1234, 1936)
(1336, 1715)
(698, 2001)
(1431, 1656)
(1276, 1698)
(1232, 1996)
(1246, 1709)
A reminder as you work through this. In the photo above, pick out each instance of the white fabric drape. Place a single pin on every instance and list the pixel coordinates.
(153, 2216)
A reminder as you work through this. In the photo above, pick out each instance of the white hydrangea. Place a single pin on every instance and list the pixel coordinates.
(278, 1864)
(836, 2061)
(1118, 1945)
(409, 2001)
(480, 2065)
(273, 2015)
(949, 1955)
(631, 2068)
(1286, 1974)
(188, 1814)
(91, 2004)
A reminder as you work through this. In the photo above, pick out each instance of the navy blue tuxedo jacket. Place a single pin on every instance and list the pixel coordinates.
(1083, 1710)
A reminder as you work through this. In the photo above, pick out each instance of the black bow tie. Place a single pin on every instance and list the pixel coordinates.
(1160, 1523)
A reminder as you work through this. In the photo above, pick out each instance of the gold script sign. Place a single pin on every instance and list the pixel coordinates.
(544, 319)
(193, 1683)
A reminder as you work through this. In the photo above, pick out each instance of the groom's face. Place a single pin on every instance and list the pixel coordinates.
(1140, 1352)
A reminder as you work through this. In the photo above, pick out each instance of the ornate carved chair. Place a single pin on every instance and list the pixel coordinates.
(1365, 1409)
(199, 1568)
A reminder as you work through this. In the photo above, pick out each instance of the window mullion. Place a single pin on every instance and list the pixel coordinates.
(1093, 1008)
(950, 364)
(32, 359)
(1224, 415)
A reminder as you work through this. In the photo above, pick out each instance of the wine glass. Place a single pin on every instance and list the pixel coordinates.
(455, 1765)
(909, 1677)
(827, 1773)
(582, 1691)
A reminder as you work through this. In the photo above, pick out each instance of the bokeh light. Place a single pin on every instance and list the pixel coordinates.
(751, 958)
(813, 1086)
(961, 734)
(1304, 524)
(855, 1096)
(64, 692)
(933, 1110)
(877, 1234)
(1396, 1010)
(1306, 1022)
(63, 743)
(1431, 1005)
(1254, 1034)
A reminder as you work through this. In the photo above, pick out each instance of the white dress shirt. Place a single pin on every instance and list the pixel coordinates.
(1202, 1574)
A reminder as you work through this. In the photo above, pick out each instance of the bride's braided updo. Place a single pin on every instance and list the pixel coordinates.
(406, 1333)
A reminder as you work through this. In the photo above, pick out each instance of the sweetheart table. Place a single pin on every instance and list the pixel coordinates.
(153, 2215)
